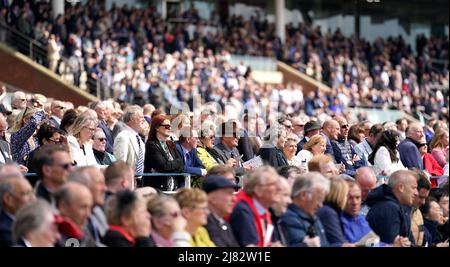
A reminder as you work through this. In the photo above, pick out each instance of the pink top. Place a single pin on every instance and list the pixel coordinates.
(439, 156)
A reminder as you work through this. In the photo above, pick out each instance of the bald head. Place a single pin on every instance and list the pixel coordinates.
(367, 181)
(9, 169)
(331, 128)
(74, 200)
(404, 186)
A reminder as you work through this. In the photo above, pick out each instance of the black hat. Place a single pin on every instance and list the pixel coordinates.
(311, 126)
(214, 182)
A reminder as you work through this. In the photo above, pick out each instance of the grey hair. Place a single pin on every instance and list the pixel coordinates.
(308, 182)
(31, 218)
(130, 112)
(83, 120)
(80, 176)
(257, 177)
(5, 187)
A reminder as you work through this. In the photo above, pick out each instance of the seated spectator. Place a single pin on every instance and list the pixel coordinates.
(355, 135)
(409, 153)
(15, 192)
(22, 139)
(279, 208)
(160, 156)
(79, 139)
(438, 145)
(354, 225)
(311, 129)
(102, 157)
(57, 109)
(221, 200)
(429, 163)
(168, 225)
(225, 171)
(323, 164)
(441, 196)
(316, 145)
(206, 138)
(67, 120)
(299, 224)
(330, 213)
(367, 181)
(194, 208)
(433, 221)
(417, 223)
(330, 131)
(290, 173)
(187, 149)
(251, 216)
(35, 226)
(19, 100)
(387, 216)
(271, 151)
(289, 149)
(385, 157)
(129, 221)
(364, 149)
(244, 143)
(118, 176)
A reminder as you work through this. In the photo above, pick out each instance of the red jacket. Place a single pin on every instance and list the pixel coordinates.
(432, 167)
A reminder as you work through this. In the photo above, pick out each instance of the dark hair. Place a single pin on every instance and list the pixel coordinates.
(376, 129)
(422, 180)
(285, 171)
(156, 122)
(44, 156)
(122, 204)
(438, 193)
(46, 131)
(68, 119)
(425, 208)
(115, 171)
(353, 132)
(388, 139)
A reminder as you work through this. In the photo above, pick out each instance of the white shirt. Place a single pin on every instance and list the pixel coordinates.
(83, 156)
(383, 164)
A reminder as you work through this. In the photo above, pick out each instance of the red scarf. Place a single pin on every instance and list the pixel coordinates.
(123, 232)
(242, 196)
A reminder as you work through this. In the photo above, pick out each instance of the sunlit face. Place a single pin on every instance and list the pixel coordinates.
(353, 205)
(420, 198)
(208, 141)
(319, 148)
(99, 141)
(289, 149)
(197, 215)
(87, 132)
(328, 169)
(164, 128)
(409, 191)
(222, 200)
(416, 134)
(314, 200)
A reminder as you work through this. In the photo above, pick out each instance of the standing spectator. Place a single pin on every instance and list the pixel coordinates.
(367, 181)
(221, 199)
(385, 157)
(194, 208)
(387, 215)
(187, 149)
(364, 149)
(409, 153)
(316, 145)
(118, 176)
(438, 145)
(311, 129)
(429, 163)
(53, 55)
(102, 156)
(402, 125)
(102, 113)
(251, 218)
(300, 226)
(79, 139)
(244, 144)
(271, 151)
(57, 109)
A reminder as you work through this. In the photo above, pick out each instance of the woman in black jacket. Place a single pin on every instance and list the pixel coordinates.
(160, 156)
(271, 151)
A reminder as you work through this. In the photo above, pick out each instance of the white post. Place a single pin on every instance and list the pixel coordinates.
(280, 19)
(163, 4)
(58, 7)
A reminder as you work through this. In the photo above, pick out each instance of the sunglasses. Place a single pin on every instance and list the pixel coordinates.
(61, 108)
(174, 214)
(166, 126)
(54, 141)
(344, 126)
(66, 166)
(101, 139)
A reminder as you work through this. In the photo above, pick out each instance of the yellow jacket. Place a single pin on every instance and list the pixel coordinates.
(201, 238)
(206, 158)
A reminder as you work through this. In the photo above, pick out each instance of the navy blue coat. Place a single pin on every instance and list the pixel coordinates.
(108, 135)
(330, 217)
(329, 149)
(339, 158)
(5, 230)
(387, 217)
(300, 145)
(410, 155)
(194, 165)
(295, 224)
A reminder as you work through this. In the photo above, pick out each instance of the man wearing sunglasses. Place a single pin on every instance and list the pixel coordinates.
(57, 109)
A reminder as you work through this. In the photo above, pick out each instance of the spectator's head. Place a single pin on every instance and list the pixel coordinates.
(366, 125)
(119, 176)
(194, 207)
(92, 178)
(280, 207)
(83, 127)
(160, 128)
(207, 136)
(15, 192)
(223, 170)
(36, 224)
(440, 139)
(263, 184)
(338, 192)
(316, 145)
(309, 191)
(423, 187)
(165, 213)
(390, 140)
(312, 128)
(323, 164)
(3, 127)
(23, 118)
(354, 199)
(356, 133)
(57, 108)
(53, 165)
(188, 138)
(415, 132)
(148, 109)
(404, 186)
(286, 123)
(344, 127)
(220, 192)
(101, 110)
(289, 172)
(374, 133)
(9, 169)
(298, 124)
(441, 196)
(432, 211)
(230, 136)
(332, 129)
(134, 118)
(126, 210)
(402, 124)
(290, 146)
(100, 140)
(74, 201)
(367, 181)
(19, 100)
(276, 136)
(48, 134)
(68, 119)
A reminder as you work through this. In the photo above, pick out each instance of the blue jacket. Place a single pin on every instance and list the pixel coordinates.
(386, 216)
(194, 164)
(339, 158)
(409, 154)
(354, 228)
(329, 149)
(330, 218)
(296, 224)
(5, 230)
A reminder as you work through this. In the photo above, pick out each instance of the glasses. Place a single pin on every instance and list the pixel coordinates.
(54, 141)
(288, 126)
(101, 139)
(422, 145)
(65, 166)
(61, 108)
(344, 126)
(90, 129)
(166, 126)
(299, 125)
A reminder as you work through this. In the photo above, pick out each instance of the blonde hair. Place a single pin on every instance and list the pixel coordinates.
(18, 123)
(190, 197)
(316, 139)
(317, 160)
(83, 120)
(436, 141)
(338, 192)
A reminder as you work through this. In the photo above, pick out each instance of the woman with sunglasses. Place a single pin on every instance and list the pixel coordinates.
(99, 147)
(160, 156)
(22, 137)
(429, 162)
(80, 139)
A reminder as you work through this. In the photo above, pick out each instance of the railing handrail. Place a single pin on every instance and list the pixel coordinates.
(28, 38)
(431, 177)
(143, 174)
